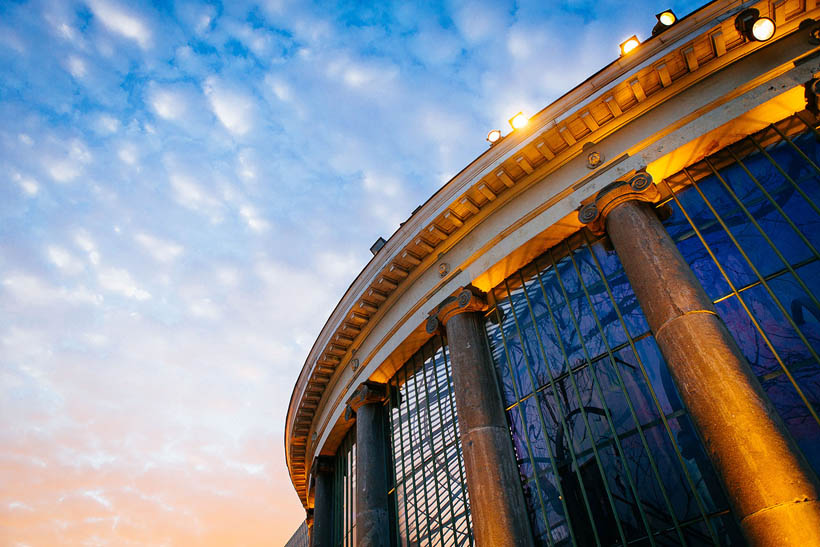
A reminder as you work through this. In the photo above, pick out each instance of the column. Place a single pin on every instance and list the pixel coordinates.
(496, 498)
(372, 516)
(322, 473)
(772, 489)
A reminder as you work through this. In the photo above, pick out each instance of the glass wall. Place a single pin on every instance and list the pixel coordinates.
(606, 451)
(748, 221)
(429, 493)
(344, 488)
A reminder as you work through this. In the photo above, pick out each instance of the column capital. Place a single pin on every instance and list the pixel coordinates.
(468, 299)
(368, 392)
(637, 188)
(322, 465)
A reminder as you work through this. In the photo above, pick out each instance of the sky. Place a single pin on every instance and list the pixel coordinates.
(186, 191)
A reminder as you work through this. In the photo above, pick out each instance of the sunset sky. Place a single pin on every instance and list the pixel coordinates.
(187, 190)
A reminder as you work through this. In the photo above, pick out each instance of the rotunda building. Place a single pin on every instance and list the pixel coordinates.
(605, 330)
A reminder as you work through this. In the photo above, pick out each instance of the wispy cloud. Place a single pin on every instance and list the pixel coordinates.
(161, 250)
(120, 21)
(234, 109)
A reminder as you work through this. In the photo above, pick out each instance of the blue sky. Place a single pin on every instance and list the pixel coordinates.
(187, 190)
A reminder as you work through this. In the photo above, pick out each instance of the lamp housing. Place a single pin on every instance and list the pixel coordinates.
(519, 121)
(753, 27)
(666, 19)
(494, 136)
(629, 45)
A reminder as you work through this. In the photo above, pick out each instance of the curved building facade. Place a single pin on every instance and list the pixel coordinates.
(605, 330)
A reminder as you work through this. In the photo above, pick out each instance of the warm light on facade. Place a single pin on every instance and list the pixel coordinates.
(629, 45)
(519, 120)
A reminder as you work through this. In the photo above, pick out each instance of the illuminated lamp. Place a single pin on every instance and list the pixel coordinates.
(755, 28)
(666, 19)
(629, 45)
(494, 136)
(519, 120)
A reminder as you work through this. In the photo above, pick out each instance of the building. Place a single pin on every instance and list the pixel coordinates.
(605, 330)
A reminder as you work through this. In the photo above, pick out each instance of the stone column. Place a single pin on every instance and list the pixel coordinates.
(372, 515)
(496, 498)
(322, 473)
(772, 489)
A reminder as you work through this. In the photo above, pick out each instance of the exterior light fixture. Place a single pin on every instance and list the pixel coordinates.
(519, 120)
(755, 28)
(494, 136)
(763, 29)
(630, 44)
(666, 19)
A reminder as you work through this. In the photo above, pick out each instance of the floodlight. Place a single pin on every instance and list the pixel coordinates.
(629, 45)
(519, 120)
(763, 29)
(494, 136)
(753, 27)
(666, 19)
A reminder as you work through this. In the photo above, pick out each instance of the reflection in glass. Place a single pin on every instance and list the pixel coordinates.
(429, 494)
(606, 453)
(748, 223)
(344, 488)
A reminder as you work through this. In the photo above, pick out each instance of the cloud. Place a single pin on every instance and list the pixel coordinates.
(247, 164)
(107, 124)
(279, 87)
(64, 260)
(168, 103)
(119, 21)
(27, 184)
(128, 154)
(119, 281)
(234, 109)
(371, 77)
(252, 218)
(204, 308)
(162, 251)
(70, 163)
(84, 241)
(63, 170)
(32, 290)
(480, 21)
(193, 196)
(76, 66)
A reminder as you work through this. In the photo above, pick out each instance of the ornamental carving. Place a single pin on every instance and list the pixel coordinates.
(638, 188)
